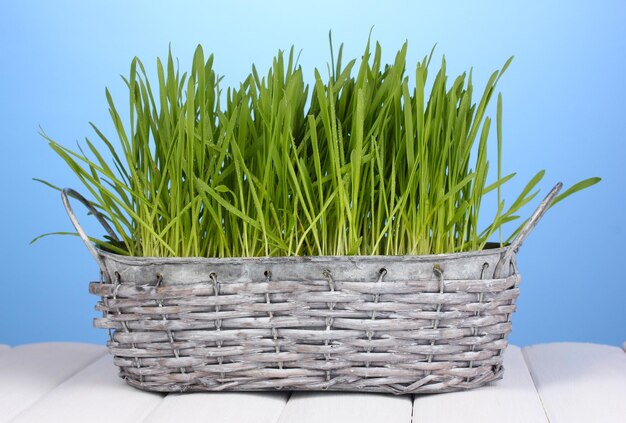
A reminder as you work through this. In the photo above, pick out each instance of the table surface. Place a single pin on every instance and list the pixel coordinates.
(69, 382)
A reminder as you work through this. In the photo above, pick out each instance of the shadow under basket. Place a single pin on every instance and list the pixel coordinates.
(394, 324)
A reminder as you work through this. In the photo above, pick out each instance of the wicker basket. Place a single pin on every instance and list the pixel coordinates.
(396, 324)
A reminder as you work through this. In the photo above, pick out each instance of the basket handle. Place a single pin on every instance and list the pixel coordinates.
(68, 192)
(528, 227)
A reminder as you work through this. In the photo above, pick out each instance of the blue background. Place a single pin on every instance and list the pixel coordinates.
(563, 111)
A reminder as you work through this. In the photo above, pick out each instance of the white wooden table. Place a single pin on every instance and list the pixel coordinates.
(64, 382)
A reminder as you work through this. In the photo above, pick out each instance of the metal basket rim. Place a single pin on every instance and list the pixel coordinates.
(138, 260)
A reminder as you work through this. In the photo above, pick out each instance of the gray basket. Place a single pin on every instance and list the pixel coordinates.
(396, 324)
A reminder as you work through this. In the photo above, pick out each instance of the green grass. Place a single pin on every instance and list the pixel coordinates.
(369, 159)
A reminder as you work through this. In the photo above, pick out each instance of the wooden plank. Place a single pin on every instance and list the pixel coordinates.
(512, 399)
(223, 407)
(95, 394)
(340, 407)
(580, 382)
(28, 372)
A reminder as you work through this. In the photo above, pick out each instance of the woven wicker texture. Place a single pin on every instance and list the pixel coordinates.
(340, 331)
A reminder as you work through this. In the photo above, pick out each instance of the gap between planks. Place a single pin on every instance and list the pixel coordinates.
(346, 407)
(579, 382)
(30, 371)
(223, 407)
(108, 398)
(95, 394)
(511, 399)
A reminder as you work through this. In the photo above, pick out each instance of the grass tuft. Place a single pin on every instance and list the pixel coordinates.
(358, 163)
